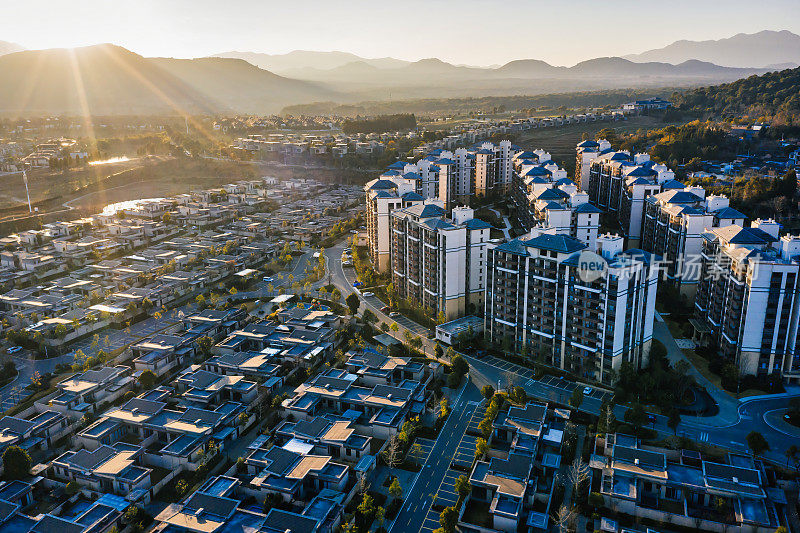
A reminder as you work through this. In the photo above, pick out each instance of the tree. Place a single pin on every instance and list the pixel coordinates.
(636, 416)
(148, 379)
(481, 448)
(578, 473)
(368, 316)
(576, 399)
(394, 327)
(487, 391)
(518, 396)
(674, 420)
(463, 487)
(564, 519)
(444, 407)
(391, 455)
(204, 344)
(438, 351)
(448, 519)
(757, 443)
(16, 463)
(791, 454)
(353, 303)
(395, 489)
(380, 516)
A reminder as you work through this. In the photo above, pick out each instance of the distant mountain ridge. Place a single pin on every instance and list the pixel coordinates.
(763, 49)
(108, 79)
(305, 59)
(7, 47)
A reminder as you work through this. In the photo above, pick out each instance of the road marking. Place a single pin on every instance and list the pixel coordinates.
(704, 436)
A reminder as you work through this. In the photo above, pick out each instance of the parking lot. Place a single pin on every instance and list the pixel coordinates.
(465, 453)
(431, 521)
(446, 495)
(420, 451)
(475, 420)
(568, 387)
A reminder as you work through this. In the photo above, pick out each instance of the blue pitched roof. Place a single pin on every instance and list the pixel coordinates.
(412, 197)
(679, 197)
(446, 161)
(425, 210)
(514, 246)
(736, 234)
(382, 184)
(537, 171)
(477, 223)
(588, 208)
(552, 194)
(391, 173)
(588, 144)
(556, 243)
(411, 176)
(642, 171)
(672, 184)
(729, 212)
(398, 165)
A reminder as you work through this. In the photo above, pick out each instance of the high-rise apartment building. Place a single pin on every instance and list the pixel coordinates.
(749, 297)
(673, 226)
(541, 295)
(437, 263)
(383, 195)
(547, 200)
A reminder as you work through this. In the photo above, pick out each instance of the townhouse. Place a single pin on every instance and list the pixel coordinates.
(513, 486)
(681, 487)
(172, 438)
(377, 410)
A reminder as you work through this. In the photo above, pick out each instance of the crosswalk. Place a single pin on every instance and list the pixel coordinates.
(703, 436)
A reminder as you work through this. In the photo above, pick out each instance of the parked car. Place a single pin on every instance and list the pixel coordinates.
(385, 309)
(368, 293)
(15, 349)
(357, 284)
(587, 391)
(394, 314)
(268, 279)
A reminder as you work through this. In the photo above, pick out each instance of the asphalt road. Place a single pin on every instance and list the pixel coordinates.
(417, 513)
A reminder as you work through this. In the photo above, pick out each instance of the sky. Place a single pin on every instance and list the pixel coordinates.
(474, 32)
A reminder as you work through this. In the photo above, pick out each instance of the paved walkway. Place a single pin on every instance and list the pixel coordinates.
(505, 230)
(728, 406)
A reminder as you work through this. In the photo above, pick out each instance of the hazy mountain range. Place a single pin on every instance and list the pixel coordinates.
(108, 79)
(770, 49)
(9, 48)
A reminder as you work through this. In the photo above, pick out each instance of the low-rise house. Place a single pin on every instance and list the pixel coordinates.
(36, 432)
(682, 488)
(201, 388)
(84, 392)
(106, 469)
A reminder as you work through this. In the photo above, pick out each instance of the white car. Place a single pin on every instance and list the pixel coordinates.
(394, 314)
(368, 293)
(587, 391)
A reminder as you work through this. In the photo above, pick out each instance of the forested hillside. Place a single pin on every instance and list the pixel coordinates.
(773, 97)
